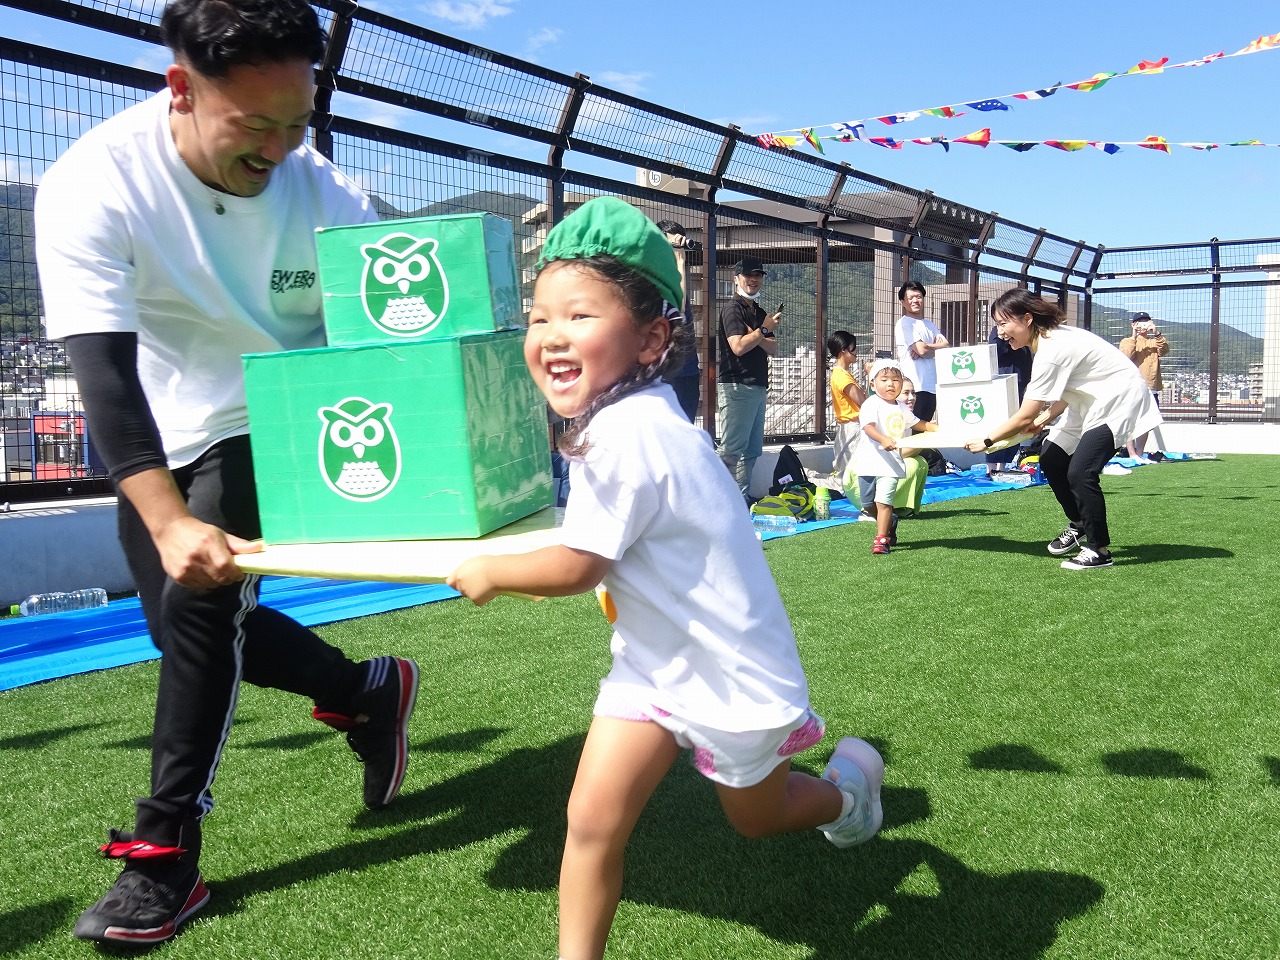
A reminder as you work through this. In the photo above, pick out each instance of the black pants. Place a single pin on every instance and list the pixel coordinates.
(210, 640)
(1074, 479)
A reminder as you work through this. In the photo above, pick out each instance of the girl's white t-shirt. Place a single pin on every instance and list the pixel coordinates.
(893, 420)
(1099, 383)
(129, 240)
(699, 625)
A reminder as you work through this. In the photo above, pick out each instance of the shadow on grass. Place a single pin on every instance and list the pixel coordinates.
(983, 544)
(1155, 552)
(290, 741)
(1273, 769)
(25, 926)
(893, 897)
(39, 739)
(1154, 763)
(1013, 757)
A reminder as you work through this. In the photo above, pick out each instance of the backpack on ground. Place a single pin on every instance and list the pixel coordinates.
(789, 472)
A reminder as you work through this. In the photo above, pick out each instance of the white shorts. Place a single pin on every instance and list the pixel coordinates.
(734, 759)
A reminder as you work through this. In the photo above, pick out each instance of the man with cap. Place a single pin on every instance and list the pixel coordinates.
(747, 341)
(1145, 346)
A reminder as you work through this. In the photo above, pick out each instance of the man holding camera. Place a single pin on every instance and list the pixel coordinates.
(746, 343)
(1145, 346)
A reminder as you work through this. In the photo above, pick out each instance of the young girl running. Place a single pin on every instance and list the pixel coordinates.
(703, 654)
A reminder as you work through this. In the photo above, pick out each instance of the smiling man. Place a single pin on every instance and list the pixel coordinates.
(172, 239)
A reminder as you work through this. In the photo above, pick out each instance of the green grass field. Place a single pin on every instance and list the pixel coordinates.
(1080, 765)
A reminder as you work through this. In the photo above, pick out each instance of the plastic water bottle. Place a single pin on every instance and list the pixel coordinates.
(39, 603)
(822, 504)
(772, 523)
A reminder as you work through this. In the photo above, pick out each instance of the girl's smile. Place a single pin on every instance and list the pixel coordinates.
(582, 337)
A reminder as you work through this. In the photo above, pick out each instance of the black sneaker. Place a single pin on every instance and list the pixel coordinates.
(893, 530)
(146, 904)
(1068, 540)
(378, 731)
(1088, 559)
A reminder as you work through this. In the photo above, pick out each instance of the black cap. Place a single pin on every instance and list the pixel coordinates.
(1140, 316)
(749, 265)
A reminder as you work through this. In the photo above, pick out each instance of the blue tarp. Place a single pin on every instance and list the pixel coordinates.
(62, 644)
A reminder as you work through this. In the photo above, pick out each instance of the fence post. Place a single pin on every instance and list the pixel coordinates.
(711, 336)
(1215, 329)
(327, 77)
(555, 156)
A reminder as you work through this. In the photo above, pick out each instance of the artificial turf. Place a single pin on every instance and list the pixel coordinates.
(1079, 764)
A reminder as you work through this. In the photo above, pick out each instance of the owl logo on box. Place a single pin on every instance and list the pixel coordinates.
(972, 410)
(404, 289)
(359, 451)
(962, 365)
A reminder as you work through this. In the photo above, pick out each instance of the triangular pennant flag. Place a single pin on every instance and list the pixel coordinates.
(942, 112)
(1071, 146)
(888, 142)
(850, 131)
(1021, 146)
(1262, 43)
(987, 105)
(978, 138)
(898, 117)
(813, 141)
(1148, 66)
(1093, 83)
(1201, 61)
(1201, 145)
(1154, 143)
(1107, 148)
(1038, 94)
(929, 141)
(1247, 143)
(787, 142)
(767, 140)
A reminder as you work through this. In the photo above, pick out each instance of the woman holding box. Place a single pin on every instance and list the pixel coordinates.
(1106, 403)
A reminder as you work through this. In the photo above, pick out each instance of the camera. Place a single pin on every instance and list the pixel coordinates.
(687, 244)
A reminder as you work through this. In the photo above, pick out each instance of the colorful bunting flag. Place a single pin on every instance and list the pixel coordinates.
(850, 131)
(1148, 66)
(1154, 143)
(978, 138)
(946, 112)
(898, 117)
(1021, 146)
(768, 140)
(1107, 148)
(1071, 146)
(1093, 83)
(1200, 62)
(929, 141)
(1262, 43)
(1200, 145)
(987, 105)
(888, 142)
(813, 141)
(1247, 143)
(1038, 94)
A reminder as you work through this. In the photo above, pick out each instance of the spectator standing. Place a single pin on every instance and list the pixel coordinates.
(847, 396)
(162, 237)
(1145, 346)
(917, 339)
(747, 341)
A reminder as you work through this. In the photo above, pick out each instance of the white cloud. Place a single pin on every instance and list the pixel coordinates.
(469, 13)
(632, 83)
(543, 38)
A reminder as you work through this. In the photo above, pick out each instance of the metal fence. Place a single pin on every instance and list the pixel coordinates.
(837, 243)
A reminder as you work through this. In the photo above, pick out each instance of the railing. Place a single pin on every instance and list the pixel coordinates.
(837, 242)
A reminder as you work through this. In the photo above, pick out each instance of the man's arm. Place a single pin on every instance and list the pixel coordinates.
(761, 337)
(193, 553)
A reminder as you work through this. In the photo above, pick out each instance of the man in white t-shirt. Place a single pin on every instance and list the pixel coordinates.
(916, 339)
(171, 239)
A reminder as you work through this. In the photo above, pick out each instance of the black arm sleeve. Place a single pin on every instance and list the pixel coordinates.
(120, 422)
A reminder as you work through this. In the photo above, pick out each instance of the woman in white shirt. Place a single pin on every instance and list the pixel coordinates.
(1106, 404)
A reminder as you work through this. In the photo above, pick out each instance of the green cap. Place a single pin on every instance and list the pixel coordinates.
(607, 225)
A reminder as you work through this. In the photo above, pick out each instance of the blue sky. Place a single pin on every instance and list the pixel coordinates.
(772, 67)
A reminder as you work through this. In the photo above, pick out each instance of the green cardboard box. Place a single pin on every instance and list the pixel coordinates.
(432, 439)
(419, 278)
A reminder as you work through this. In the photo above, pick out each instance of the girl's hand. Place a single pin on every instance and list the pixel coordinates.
(976, 446)
(889, 444)
(473, 580)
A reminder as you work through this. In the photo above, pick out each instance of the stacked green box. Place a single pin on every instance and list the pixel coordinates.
(431, 439)
(399, 280)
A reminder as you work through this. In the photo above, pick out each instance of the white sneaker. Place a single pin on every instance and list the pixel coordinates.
(857, 769)
(1115, 470)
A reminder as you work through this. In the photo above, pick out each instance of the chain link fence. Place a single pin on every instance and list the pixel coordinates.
(836, 243)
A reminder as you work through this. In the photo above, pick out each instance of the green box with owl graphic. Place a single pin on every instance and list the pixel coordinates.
(432, 439)
(976, 407)
(421, 278)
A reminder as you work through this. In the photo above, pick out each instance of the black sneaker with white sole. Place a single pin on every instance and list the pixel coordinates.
(158, 890)
(1088, 559)
(1068, 540)
(377, 727)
